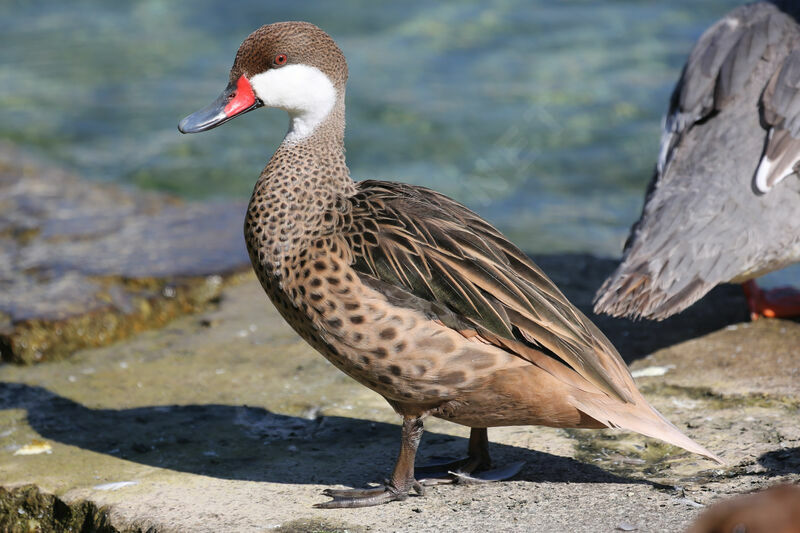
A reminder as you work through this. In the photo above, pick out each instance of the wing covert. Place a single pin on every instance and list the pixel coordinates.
(438, 250)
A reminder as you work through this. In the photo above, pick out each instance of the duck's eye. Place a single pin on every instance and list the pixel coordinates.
(280, 59)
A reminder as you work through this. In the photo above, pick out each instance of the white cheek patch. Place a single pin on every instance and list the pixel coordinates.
(305, 92)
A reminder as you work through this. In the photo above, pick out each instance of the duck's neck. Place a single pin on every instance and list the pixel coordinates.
(322, 122)
(305, 179)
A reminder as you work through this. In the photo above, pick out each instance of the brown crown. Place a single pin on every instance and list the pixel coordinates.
(302, 42)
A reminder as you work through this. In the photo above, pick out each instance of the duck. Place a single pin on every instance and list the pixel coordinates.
(724, 201)
(405, 290)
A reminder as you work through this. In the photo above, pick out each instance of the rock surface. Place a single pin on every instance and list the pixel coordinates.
(227, 421)
(83, 264)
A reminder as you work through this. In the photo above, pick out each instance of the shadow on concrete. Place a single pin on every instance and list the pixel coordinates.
(250, 443)
(781, 462)
(580, 275)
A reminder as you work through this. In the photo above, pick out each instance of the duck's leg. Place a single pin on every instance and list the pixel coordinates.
(775, 303)
(396, 488)
(477, 458)
(475, 468)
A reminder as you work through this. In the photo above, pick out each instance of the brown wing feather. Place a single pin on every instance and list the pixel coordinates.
(441, 252)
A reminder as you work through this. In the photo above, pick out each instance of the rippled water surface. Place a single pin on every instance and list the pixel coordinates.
(543, 116)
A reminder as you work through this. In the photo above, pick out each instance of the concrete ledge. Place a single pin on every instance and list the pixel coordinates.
(226, 421)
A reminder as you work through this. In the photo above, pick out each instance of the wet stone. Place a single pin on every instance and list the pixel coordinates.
(85, 264)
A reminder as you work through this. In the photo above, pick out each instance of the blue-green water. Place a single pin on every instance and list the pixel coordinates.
(544, 116)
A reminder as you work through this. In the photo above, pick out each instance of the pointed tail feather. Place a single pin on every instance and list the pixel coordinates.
(642, 418)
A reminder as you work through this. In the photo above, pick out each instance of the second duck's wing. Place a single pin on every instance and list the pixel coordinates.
(718, 67)
(781, 112)
(420, 241)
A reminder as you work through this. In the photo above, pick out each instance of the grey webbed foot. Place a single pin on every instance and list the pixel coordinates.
(351, 498)
(487, 476)
(466, 471)
(475, 468)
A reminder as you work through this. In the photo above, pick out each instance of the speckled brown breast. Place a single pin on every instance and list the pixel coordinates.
(395, 351)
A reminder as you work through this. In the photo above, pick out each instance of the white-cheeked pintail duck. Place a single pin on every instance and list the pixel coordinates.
(724, 203)
(405, 290)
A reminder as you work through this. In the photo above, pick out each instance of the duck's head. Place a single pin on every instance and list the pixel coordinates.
(289, 65)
